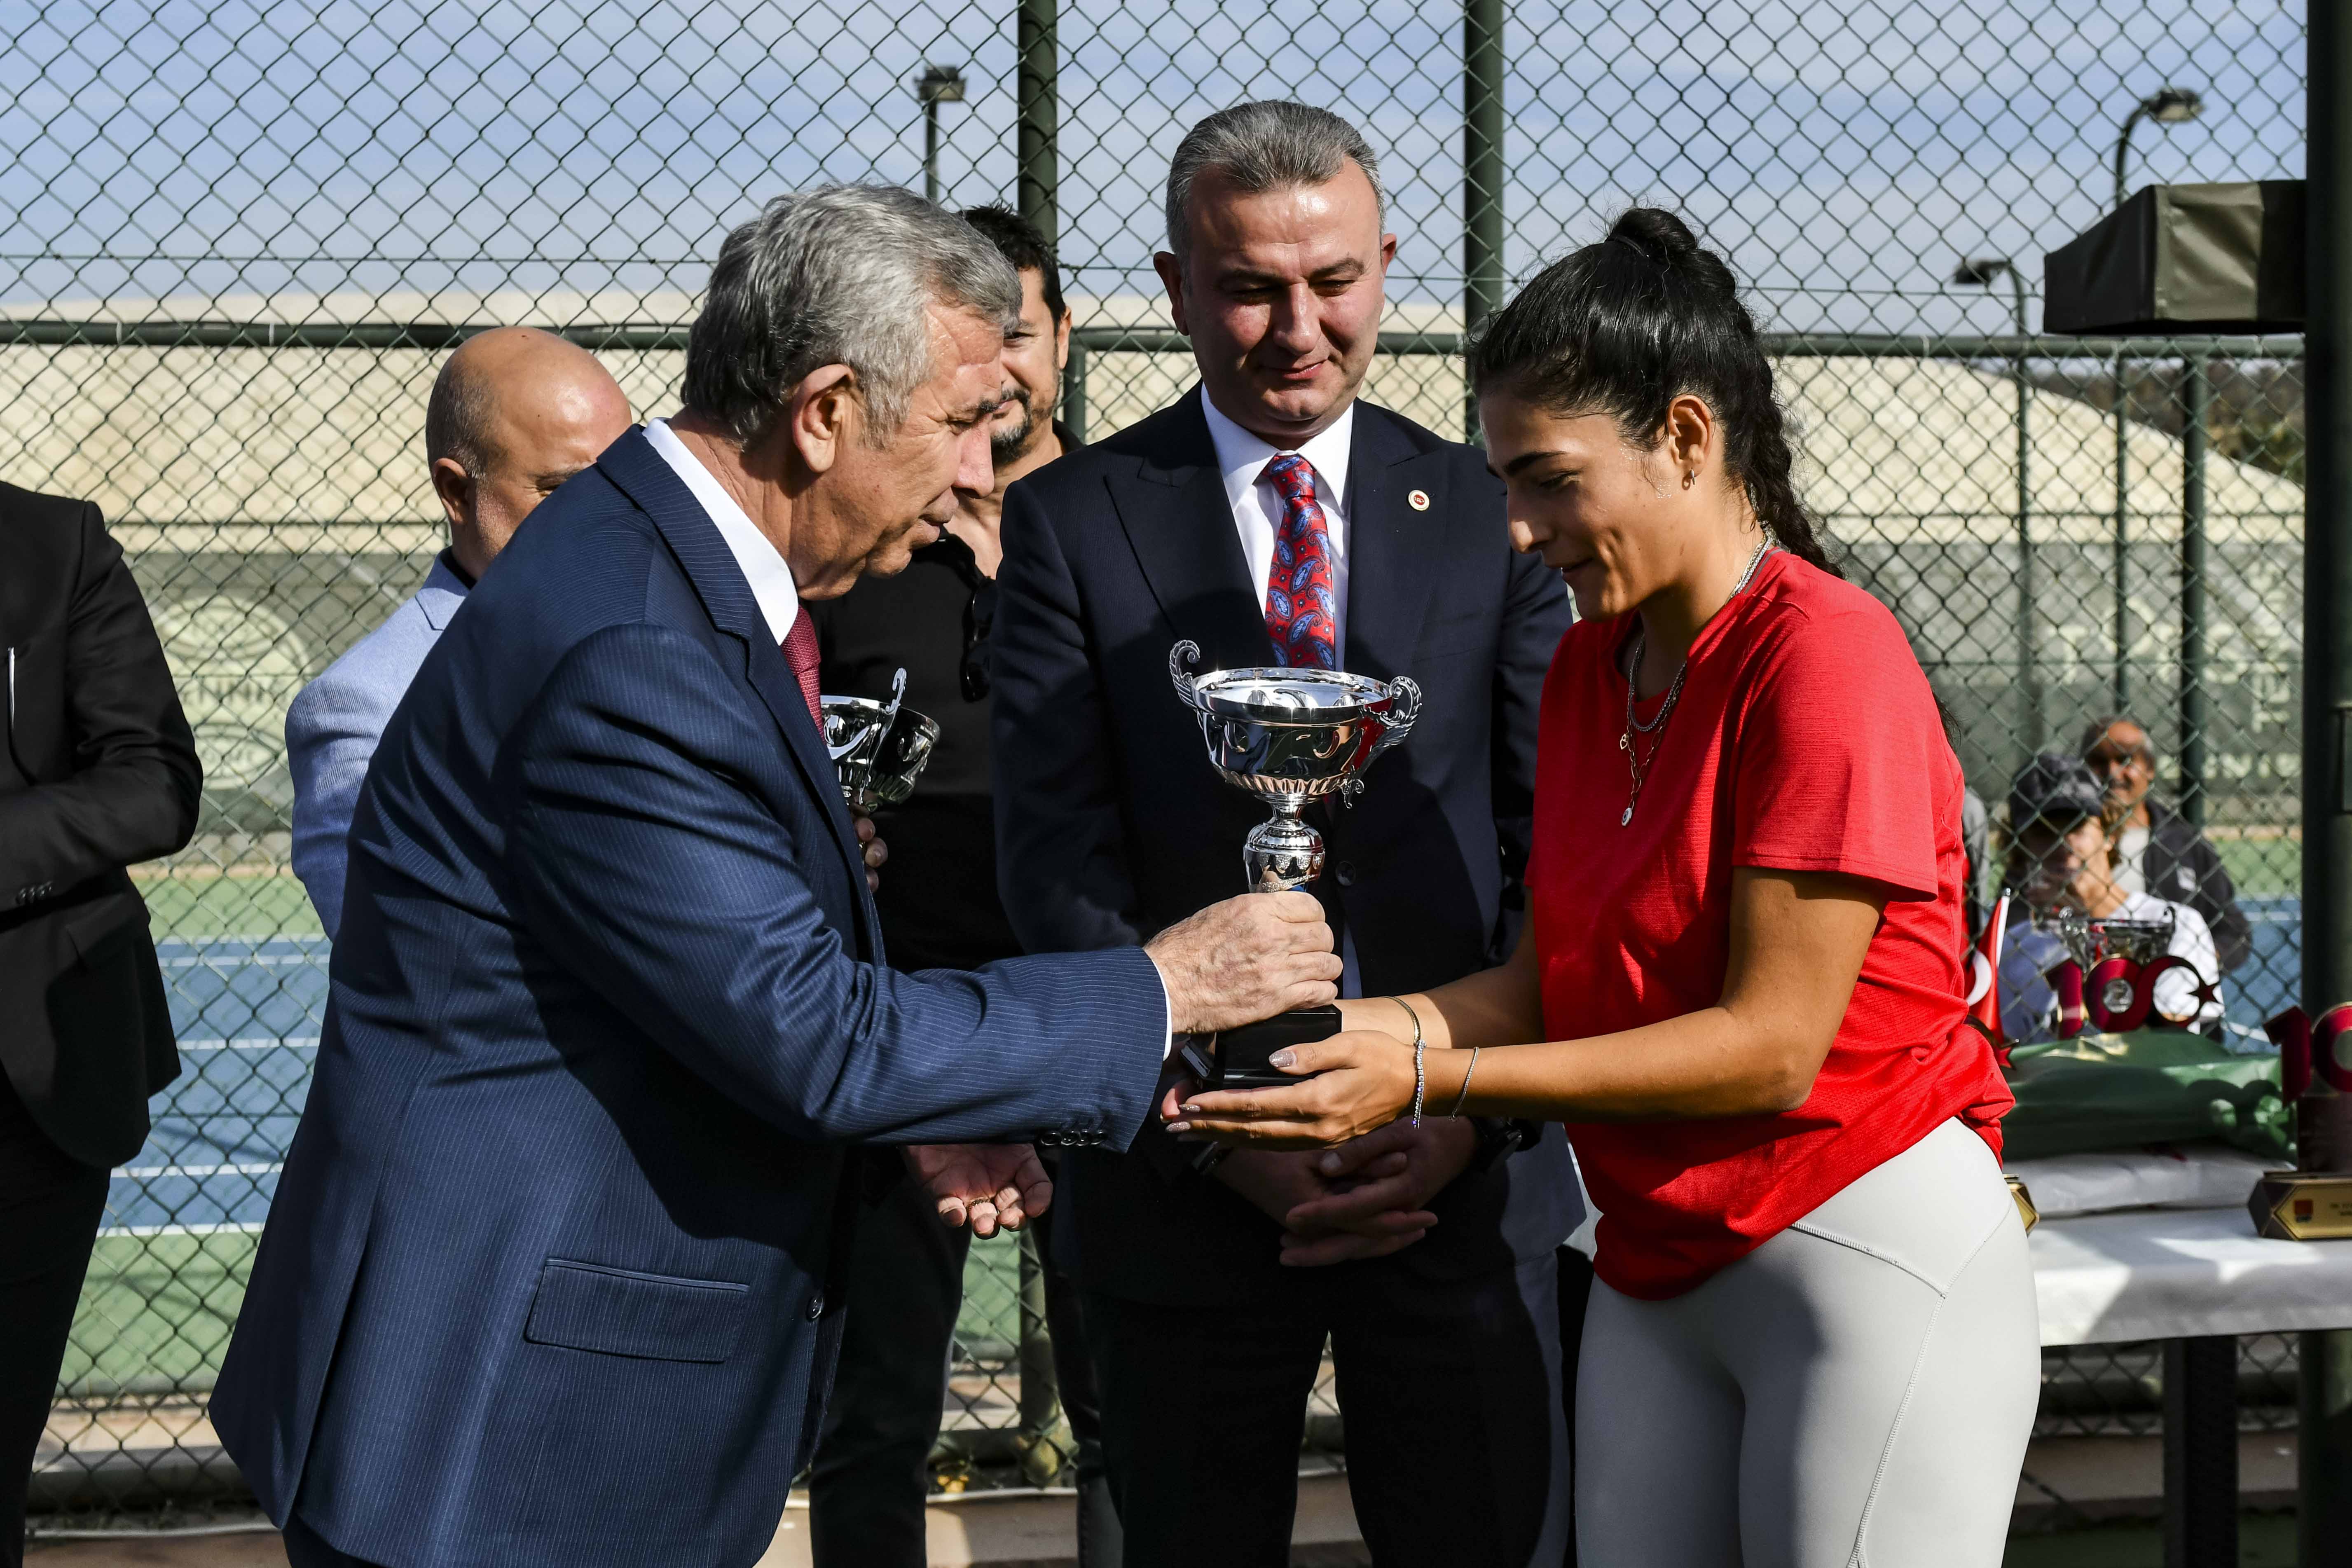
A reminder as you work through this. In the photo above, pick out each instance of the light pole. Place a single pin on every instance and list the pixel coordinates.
(937, 84)
(1039, 105)
(1983, 272)
(1482, 176)
(2165, 106)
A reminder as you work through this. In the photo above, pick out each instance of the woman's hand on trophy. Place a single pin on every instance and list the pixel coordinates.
(990, 1185)
(1363, 1080)
(1245, 959)
(876, 851)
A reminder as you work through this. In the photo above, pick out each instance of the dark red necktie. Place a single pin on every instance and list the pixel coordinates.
(800, 652)
(1301, 612)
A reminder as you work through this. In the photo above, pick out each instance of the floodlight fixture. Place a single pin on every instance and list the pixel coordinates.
(941, 84)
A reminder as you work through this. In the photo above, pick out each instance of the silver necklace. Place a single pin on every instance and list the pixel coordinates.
(1634, 760)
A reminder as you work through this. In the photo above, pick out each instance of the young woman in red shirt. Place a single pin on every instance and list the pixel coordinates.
(1814, 1340)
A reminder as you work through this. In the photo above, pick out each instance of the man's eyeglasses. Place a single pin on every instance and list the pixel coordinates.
(978, 620)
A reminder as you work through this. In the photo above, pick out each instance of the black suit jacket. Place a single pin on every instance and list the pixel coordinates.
(2182, 865)
(98, 772)
(1112, 824)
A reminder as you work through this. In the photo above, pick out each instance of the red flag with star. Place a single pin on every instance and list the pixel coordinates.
(1984, 980)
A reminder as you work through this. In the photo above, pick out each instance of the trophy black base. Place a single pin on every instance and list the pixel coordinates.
(2301, 1205)
(1236, 1058)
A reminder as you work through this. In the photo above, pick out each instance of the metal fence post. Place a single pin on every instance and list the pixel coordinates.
(2028, 662)
(2122, 683)
(1074, 388)
(1481, 176)
(2324, 1520)
(2196, 387)
(2200, 1452)
(1045, 1447)
(1038, 179)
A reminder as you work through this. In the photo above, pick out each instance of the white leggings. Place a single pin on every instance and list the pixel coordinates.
(1856, 1393)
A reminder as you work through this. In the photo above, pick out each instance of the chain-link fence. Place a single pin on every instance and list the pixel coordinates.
(235, 239)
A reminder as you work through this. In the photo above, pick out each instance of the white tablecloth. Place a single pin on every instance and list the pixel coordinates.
(2160, 1274)
(2194, 1176)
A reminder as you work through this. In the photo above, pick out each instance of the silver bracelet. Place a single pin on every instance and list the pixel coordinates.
(1419, 1046)
(1463, 1099)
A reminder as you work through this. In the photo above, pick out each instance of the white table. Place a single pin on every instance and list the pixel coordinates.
(2174, 1274)
(2194, 1278)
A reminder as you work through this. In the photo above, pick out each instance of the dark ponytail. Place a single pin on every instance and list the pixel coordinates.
(1625, 327)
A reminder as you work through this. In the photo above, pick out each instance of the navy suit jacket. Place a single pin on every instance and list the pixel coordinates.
(1111, 823)
(544, 1280)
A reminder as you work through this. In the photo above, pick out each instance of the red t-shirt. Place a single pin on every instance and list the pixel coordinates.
(1806, 739)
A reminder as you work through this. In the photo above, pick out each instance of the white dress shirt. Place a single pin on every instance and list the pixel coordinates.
(1242, 459)
(764, 564)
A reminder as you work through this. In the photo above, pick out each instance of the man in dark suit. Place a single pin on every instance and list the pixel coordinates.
(1271, 517)
(550, 1275)
(99, 771)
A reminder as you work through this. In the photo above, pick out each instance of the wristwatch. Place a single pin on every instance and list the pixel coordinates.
(1498, 1140)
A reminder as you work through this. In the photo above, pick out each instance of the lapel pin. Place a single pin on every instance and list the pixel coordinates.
(1418, 501)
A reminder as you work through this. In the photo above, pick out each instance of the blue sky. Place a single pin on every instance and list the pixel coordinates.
(1843, 156)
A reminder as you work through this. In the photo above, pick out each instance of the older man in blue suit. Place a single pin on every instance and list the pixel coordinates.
(548, 1278)
(514, 413)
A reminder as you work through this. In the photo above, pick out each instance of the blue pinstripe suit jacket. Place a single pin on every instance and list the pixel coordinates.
(543, 1279)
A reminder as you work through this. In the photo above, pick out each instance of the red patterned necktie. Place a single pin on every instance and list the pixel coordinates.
(1301, 613)
(800, 652)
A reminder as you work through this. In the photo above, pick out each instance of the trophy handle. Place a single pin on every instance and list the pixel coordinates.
(897, 695)
(1404, 707)
(1186, 652)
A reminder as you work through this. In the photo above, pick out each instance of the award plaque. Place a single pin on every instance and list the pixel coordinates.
(2301, 1205)
(2024, 1202)
(2315, 1202)
(878, 749)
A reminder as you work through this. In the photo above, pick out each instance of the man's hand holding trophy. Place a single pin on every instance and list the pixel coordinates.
(1231, 964)
(1287, 736)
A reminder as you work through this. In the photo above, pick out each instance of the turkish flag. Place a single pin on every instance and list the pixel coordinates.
(1984, 980)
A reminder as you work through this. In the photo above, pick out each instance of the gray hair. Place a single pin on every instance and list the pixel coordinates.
(836, 276)
(2096, 730)
(1262, 147)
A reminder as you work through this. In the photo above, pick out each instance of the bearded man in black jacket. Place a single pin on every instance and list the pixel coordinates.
(99, 771)
(2158, 851)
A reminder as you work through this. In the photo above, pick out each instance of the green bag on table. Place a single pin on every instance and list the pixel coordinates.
(2097, 1092)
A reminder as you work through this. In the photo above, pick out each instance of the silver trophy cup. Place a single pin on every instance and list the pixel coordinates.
(878, 749)
(1289, 736)
(2090, 942)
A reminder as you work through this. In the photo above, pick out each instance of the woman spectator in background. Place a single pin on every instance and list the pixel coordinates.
(1814, 1339)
